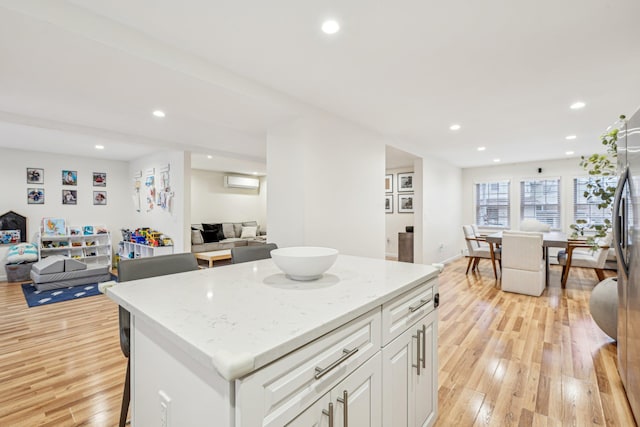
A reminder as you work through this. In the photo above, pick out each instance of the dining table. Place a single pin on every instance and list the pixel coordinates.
(550, 239)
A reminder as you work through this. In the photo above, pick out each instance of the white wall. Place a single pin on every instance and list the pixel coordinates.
(326, 179)
(175, 223)
(212, 202)
(113, 215)
(442, 209)
(565, 169)
(395, 222)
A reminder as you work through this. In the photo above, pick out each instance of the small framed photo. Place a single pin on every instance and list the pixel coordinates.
(75, 231)
(69, 178)
(99, 179)
(388, 183)
(69, 197)
(35, 196)
(35, 176)
(405, 203)
(388, 203)
(99, 197)
(405, 182)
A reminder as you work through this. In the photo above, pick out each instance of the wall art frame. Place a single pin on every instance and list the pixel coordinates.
(69, 177)
(388, 204)
(100, 198)
(69, 197)
(35, 176)
(405, 182)
(405, 203)
(35, 196)
(388, 183)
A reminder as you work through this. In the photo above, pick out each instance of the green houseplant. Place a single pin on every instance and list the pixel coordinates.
(601, 167)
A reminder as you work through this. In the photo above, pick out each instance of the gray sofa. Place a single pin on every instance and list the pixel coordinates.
(229, 236)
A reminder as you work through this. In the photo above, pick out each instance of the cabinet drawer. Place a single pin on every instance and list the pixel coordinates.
(403, 311)
(277, 393)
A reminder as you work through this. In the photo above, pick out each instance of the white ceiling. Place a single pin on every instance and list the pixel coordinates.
(225, 71)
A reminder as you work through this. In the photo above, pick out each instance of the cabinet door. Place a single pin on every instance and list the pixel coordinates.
(398, 360)
(313, 416)
(409, 397)
(426, 384)
(360, 393)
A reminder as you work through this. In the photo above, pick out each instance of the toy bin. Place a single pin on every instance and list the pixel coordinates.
(18, 272)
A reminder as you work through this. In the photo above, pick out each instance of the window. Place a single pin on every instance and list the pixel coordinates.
(492, 204)
(587, 209)
(540, 199)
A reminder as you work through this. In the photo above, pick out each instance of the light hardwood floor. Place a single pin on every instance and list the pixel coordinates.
(505, 359)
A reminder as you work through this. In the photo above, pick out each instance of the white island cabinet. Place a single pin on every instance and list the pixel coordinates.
(243, 345)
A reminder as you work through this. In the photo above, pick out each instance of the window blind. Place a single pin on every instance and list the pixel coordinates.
(492, 204)
(540, 199)
(587, 208)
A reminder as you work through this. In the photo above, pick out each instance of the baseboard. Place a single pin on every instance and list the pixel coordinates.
(450, 260)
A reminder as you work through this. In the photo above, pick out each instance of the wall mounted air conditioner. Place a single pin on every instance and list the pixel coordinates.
(233, 181)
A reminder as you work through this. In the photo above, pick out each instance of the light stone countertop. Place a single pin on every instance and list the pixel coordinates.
(238, 318)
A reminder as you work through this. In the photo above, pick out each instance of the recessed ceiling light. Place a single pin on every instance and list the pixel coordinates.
(99, 147)
(330, 26)
(209, 157)
(577, 105)
(455, 127)
(496, 160)
(159, 113)
(255, 173)
(568, 153)
(482, 148)
(570, 137)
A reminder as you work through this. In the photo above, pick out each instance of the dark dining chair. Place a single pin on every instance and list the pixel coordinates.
(142, 268)
(251, 253)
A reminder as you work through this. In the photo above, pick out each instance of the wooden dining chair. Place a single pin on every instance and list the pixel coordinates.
(478, 252)
(581, 254)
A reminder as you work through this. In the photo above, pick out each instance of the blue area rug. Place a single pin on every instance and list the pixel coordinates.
(37, 298)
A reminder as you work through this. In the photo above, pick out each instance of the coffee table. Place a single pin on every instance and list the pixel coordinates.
(212, 256)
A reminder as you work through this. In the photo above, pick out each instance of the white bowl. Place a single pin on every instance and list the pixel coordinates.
(304, 262)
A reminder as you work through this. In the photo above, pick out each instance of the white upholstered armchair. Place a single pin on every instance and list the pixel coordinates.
(579, 254)
(478, 248)
(522, 263)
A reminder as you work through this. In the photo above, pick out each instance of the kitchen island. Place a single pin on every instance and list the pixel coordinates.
(243, 345)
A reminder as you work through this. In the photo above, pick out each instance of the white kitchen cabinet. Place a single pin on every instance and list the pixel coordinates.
(360, 393)
(409, 375)
(245, 346)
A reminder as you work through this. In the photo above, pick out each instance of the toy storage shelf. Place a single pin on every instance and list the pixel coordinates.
(130, 250)
(88, 248)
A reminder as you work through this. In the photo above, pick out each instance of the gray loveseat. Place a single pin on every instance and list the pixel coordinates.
(218, 236)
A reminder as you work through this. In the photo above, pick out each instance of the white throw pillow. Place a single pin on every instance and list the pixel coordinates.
(248, 232)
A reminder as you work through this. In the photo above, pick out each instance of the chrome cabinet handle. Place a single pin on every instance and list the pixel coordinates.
(423, 302)
(345, 402)
(424, 345)
(417, 365)
(320, 372)
(329, 413)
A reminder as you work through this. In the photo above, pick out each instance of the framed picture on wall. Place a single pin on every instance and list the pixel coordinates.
(69, 177)
(99, 179)
(388, 203)
(35, 196)
(35, 176)
(405, 203)
(69, 197)
(99, 197)
(388, 183)
(405, 182)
